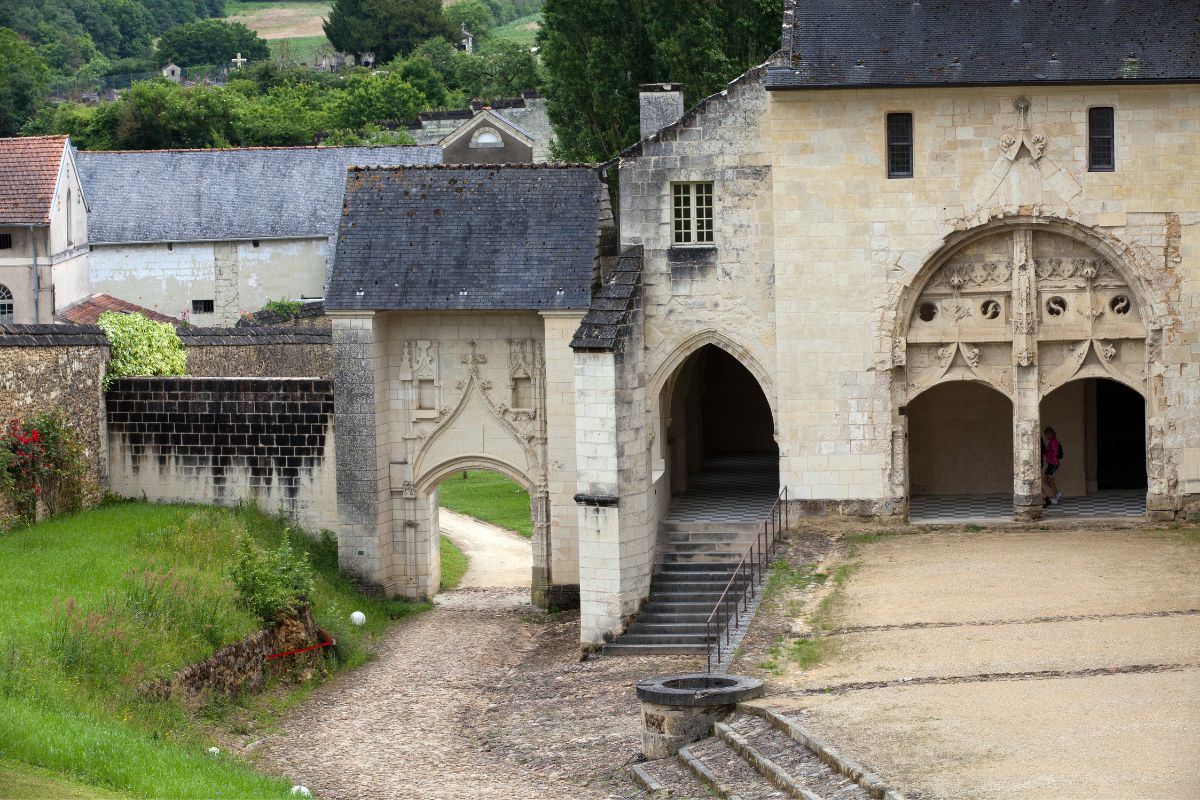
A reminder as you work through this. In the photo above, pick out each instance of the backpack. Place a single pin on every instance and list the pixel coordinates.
(1060, 450)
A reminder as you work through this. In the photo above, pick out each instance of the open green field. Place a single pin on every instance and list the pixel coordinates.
(523, 31)
(279, 20)
(490, 497)
(94, 606)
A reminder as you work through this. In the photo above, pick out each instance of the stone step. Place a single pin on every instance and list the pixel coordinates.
(688, 575)
(676, 780)
(684, 607)
(673, 618)
(730, 775)
(617, 648)
(672, 558)
(642, 627)
(725, 565)
(712, 546)
(707, 536)
(745, 528)
(697, 587)
(634, 636)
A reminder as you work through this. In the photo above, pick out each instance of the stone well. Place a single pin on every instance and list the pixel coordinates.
(680, 709)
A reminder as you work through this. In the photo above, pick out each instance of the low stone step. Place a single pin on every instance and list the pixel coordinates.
(676, 618)
(742, 528)
(695, 575)
(633, 636)
(713, 565)
(744, 539)
(733, 776)
(703, 587)
(710, 546)
(661, 607)
(677, 557)
(668, 628)
(676, 780)
(617, 648)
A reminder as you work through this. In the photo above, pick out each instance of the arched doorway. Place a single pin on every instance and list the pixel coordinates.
(485, 531)
(960, 451)
(718, 440)
(1102, 426)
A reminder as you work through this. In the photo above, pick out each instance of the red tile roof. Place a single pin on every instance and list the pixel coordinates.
(86, 312)
(29, 167)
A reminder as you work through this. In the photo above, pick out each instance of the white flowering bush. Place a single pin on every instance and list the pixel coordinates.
(140, 346)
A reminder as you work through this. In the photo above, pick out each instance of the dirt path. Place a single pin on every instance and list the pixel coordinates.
(496, 557)
(483, 697)
(1015, 665)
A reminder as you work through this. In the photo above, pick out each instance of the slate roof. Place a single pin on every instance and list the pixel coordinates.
(513, 236)
(215, 195)
(866, 43)
(611, 310)
(87, 312)
(29, 168)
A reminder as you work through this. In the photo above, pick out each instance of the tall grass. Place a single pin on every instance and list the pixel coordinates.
(95, 606)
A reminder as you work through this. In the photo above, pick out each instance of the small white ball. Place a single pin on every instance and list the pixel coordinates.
(212, 751)
(358, 618)
(301, 791)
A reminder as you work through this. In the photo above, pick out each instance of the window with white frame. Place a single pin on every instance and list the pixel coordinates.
(6, 305)
(692, 212)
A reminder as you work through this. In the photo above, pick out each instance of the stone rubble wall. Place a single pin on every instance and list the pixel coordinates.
(224, 441)
(259, 352)
(47, 367)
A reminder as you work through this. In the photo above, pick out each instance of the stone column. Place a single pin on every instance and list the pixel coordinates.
(360, 429)
(1027, 458)
(562, 576)
(539, 508)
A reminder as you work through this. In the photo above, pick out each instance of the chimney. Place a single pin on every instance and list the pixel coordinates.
(662, 104)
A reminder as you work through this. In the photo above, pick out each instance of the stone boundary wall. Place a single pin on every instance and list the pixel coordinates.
(223, 441)
(43, 367)
(259, 352)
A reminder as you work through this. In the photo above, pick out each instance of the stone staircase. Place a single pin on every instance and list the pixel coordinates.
(756, 755)
(694, 563)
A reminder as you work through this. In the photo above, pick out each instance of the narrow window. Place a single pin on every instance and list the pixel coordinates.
(692, 212)
(426, 395)
(202, 306)
(522, 393)
(5, 241)
(1102, 151)
(900, 145)
(6, 305)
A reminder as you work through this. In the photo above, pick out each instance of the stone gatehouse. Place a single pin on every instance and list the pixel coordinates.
(880, 265)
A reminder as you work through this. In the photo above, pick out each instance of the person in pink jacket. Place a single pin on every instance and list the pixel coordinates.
(1052, 452)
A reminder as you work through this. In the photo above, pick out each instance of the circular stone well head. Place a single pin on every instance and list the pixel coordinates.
(699, 689)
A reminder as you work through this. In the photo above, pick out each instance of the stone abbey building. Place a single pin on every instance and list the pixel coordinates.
(871, 272)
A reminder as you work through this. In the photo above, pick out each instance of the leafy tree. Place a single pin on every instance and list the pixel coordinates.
(141, 346)
(500, 69)
(596, 52)
(386, 28)
(443, 56)
(154, 115)
(418, 70)
(287, 115)
(24, 79)
(472, 14)
(210, 41)
(374, 98)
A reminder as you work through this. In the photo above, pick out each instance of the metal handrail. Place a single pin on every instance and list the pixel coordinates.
(749, 571)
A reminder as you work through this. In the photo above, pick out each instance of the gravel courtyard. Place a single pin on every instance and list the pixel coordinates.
(1016, 664)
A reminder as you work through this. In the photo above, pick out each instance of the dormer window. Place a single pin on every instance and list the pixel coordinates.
(486, 137)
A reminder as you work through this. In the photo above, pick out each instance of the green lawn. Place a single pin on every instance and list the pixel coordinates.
(23, 782)
(454, 564)
(490, 497)
(523, 31)
(94, 606)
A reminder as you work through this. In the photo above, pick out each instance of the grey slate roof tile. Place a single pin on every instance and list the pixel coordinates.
(516, 236)
(864, 43)
(611, 312)
(52, 336)
(213, 195)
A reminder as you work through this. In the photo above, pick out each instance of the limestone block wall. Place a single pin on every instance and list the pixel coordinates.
(850, 243)
(226, 440)
(285, 352)
(238, 276)
(47, 367)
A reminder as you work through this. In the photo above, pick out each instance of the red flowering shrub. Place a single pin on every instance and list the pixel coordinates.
(43, 466)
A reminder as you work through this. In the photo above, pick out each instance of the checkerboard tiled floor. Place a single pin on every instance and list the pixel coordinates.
(729, 489)
(998, 507)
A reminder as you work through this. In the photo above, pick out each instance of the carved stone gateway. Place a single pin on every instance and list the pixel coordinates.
(1025, 310)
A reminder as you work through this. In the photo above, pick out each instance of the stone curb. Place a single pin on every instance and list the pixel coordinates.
(706, 777)
(848, 767)
(646, 780)
(765, 766)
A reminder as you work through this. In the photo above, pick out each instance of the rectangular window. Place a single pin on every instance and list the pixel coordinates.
(202, 306)
(692, 212)
(522, 393)
(426, 395)
(6, 305)
(900, 145)
(5, 241)
(1102, 145)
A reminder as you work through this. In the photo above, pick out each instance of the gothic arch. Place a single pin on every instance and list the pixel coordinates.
(438, 473)
(685, 349)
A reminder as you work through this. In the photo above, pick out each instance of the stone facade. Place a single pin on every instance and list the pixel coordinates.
(48, 367)
(225, 441)
(910, 335)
